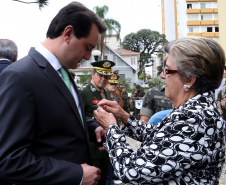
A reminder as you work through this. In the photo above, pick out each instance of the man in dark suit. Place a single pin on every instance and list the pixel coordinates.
(8, 53)
(43, 129)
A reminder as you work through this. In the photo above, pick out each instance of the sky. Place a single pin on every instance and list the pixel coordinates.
(26, 24)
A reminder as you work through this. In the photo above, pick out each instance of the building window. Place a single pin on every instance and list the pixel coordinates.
(189, 6)
(132, 61)
(190, 29)
(122, 76)
(202, 5)
(201, 17)
(216, 29)
(209, 29)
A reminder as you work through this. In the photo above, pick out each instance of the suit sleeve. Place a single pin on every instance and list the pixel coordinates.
(17, 122)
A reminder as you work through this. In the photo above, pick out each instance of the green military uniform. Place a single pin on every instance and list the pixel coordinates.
(137, 95)
(155, 101)
(126, 104)
(91, 97)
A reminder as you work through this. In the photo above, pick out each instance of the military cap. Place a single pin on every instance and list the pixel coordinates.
(103, 67)
(117, 73)
(113, 79)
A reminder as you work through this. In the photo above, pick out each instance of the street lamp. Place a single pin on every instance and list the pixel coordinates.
(96, 54)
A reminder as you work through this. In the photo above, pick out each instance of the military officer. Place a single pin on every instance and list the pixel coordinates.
(154, 101)
(91, 95)
(118, 93)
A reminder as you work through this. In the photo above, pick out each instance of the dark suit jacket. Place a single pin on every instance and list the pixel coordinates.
(4, 64)
(42, 138)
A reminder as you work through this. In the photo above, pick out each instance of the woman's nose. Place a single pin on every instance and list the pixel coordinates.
(162, 76)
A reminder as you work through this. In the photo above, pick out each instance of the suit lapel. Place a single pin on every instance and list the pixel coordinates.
(51, 73)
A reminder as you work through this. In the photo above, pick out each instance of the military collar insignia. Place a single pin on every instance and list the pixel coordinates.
(93, 89)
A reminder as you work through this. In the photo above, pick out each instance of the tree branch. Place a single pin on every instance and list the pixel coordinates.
(26, 2)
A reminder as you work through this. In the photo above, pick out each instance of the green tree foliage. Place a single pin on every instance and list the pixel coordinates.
(141, 76)
(148, 76)
(126, 82)
(40, 3)
(147, 42)
(159, 69)
(112, 26)
(156, 81)
(86, 77)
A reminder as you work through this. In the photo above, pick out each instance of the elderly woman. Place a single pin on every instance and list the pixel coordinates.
(187, 146)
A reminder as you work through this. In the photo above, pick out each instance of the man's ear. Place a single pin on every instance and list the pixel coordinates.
(15, 58)
(68, 33)
(92, 74)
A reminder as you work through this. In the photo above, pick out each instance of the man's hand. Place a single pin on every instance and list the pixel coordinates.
(91, 175)
(103, 118)
(100, 134)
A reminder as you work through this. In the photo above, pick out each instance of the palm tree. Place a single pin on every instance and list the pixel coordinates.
(112, 25)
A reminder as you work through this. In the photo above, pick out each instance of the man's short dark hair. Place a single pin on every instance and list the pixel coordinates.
(78, 16)
(8, 49)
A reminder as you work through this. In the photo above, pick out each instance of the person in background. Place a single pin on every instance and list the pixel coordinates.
(8, 53)
(221, 100)
(118, 90)
(137, 94)
(223, 82)
(118, 93)
(125, 98)
(111, 87)
(91, 96)
(188, 145)
(154, 101)
(158, 116)
(44, 135)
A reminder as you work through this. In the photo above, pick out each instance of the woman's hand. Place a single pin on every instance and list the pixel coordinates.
(103, 118)
(114, 108)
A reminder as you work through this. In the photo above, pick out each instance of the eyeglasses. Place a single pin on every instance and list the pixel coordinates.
(168, 71)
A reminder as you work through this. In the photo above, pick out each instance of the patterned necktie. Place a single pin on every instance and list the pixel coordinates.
(66, 79)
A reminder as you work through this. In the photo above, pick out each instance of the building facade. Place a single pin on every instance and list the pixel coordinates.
(190, 18)
(126, 70)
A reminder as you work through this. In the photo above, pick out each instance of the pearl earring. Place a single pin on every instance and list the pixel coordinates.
(187, 87)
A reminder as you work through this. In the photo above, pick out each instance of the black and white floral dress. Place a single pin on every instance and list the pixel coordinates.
(186, 147)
